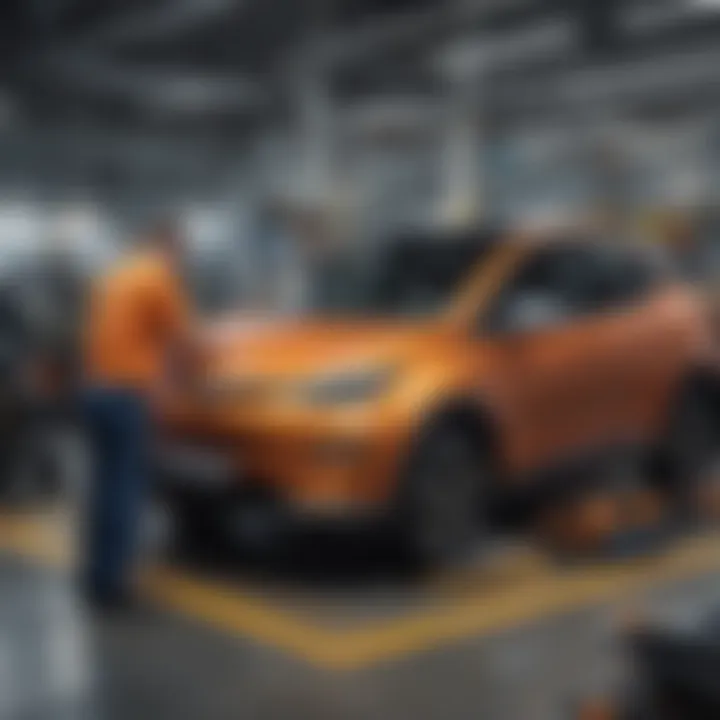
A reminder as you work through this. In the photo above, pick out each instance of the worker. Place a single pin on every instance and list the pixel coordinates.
(137, 316)
(58, 300)
(54, 307)
(14, 351)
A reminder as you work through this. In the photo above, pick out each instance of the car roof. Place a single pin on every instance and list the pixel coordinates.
(441, 245)
(474, 236)
(485, 235)
(550, 235)
(470, 243)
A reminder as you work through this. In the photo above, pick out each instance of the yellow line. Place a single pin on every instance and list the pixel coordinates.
(483, 615)
(473, 617)
(226, 609)
(455, 616)
(39, 538)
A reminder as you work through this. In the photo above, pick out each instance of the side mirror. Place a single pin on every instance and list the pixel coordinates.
(528, 312)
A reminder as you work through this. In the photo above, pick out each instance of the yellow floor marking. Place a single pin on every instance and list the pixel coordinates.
(482, 615)
(227, 608)
(44, 538)
(454, 617)
(516, 564)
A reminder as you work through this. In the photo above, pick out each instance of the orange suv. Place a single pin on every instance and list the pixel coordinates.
(456, 370)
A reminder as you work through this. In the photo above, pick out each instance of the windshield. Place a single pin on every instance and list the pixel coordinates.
(700, 262)
(410, 279)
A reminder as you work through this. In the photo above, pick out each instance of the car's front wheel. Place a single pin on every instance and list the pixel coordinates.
(440, 514)
(195, 524)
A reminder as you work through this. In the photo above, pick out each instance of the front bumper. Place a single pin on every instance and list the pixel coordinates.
(311, 467)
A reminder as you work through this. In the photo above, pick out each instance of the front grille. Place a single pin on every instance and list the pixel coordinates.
(215, 438)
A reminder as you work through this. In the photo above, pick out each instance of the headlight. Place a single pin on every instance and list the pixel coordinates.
(346, 388)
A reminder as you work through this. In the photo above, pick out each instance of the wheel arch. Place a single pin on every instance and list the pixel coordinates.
(473, 418)
(476, 422)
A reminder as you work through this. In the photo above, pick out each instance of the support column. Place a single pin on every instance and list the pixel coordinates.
(461, 192)
(304, 226)
(461, 189)
(311, 181)
(312, 122)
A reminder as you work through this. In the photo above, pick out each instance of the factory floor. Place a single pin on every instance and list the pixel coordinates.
(512, 636)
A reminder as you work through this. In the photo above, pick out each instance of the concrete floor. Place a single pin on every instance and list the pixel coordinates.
(517, 644)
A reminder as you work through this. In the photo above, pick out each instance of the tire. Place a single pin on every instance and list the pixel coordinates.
(687, 454)
(439, 515)
(196, 525)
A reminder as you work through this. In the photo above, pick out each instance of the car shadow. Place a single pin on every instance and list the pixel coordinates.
(324, 560)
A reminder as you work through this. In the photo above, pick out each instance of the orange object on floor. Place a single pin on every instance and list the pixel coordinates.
(597, 710)
(585, 524)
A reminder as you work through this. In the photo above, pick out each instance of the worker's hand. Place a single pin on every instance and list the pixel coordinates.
(186, 366)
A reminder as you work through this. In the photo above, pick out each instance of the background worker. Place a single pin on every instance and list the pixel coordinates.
(15, 348)
(41, 309)
(137, 317)
(298, 250)
(55, 308)
(58, 300)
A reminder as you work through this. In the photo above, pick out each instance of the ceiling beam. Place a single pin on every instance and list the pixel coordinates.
(170, 18)
(156, 88)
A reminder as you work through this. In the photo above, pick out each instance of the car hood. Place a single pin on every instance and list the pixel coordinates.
(286, 347)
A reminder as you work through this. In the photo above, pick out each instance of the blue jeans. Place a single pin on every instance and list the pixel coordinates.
(118, 430)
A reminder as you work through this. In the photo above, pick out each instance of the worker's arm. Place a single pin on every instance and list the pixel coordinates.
(175, 316)
(176, 325)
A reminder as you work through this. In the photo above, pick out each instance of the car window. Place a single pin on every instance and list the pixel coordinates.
(553, 277)
(571, 280)
(411, 277)
(622, 276)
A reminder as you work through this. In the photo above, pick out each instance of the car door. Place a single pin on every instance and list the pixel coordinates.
(622, 335)
(634, 307)
(551, 353)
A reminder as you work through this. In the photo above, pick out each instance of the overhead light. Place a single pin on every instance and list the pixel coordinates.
(463, 59)
(186, 92)
(391, 112)
(21, 225)
(171, 17)
(650, 18)
(201, 93)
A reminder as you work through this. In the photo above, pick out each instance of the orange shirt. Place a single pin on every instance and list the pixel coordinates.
(135, 312)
